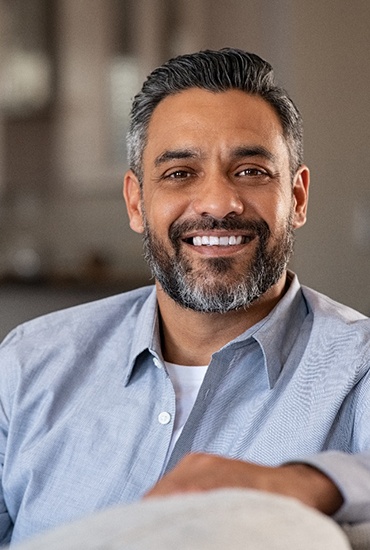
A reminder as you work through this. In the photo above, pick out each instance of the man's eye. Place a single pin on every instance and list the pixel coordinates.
(251, 172)
(179, 174)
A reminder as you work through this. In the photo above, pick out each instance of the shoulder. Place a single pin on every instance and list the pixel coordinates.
(91, 318)
(68, 347)
(324, 307)
(337, 347)
(337, 326)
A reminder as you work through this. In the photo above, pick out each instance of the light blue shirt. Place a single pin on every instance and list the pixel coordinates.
(87, 407)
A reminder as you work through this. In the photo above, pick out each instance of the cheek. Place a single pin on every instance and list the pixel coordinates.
(163, 209)
(284, 216)
(274, 209)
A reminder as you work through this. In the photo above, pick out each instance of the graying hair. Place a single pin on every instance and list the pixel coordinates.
(215, 71)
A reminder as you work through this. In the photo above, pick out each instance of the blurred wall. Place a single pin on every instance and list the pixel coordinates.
(66, 157)
(331, 82)
(320, 53)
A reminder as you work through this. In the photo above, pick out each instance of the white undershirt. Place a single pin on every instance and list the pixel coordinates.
(186, 382)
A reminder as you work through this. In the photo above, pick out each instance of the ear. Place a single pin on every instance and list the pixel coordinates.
(301, 185)
(132, 196)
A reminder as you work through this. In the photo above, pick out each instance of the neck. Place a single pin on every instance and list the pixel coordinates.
(190, 338)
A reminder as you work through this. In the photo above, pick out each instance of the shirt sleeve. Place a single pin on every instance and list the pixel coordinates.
(351, 474)
(6, 524)
(349, 468)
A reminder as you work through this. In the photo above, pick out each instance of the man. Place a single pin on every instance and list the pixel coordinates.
(226, 373)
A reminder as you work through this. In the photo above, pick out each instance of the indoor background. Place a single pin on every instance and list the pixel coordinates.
(68, 70)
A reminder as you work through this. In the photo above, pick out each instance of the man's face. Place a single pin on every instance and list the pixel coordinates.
(217, 205)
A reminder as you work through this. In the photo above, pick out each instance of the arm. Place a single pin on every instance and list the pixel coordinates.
(351, 474)
(203, 472)
(6, 525)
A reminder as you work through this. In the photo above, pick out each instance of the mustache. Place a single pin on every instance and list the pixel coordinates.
(257, 227)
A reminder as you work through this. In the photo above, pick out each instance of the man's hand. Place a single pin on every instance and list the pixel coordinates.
(204, 472)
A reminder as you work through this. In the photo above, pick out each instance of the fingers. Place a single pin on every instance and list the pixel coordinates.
(204, 472)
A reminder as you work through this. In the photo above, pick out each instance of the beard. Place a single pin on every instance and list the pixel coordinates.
(216, 286)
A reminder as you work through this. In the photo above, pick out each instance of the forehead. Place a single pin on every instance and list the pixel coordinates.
(204, 119)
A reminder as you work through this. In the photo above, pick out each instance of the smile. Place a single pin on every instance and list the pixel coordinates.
(213, 240)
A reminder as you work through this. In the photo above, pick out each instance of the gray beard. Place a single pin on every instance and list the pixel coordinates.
(208, 290)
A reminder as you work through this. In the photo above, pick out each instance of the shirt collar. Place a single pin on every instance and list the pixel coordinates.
(146, 334)
(275, 334)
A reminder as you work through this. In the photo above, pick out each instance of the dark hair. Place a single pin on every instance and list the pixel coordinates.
(216, 71)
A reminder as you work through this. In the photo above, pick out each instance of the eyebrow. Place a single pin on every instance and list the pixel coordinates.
(253, 151)
(176, 154)
(243, 151)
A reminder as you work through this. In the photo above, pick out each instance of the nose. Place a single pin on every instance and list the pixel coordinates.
(218, 197)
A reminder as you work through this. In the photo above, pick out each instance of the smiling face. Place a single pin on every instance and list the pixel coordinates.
(217, 205)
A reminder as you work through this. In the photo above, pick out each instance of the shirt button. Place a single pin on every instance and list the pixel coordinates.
(164, 418)
(157, 363)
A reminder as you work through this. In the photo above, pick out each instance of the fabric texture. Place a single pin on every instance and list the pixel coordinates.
(217, 520)
(87, 407)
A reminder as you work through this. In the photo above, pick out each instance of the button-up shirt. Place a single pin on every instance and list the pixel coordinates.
(87, 408)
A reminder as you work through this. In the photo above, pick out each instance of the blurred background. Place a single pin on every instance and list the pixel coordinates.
(68, 70)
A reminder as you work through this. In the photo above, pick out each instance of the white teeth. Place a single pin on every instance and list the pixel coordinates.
(217, 241)
(224, 241)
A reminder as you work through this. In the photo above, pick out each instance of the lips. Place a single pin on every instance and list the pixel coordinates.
(214, 240)
(210, 232)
